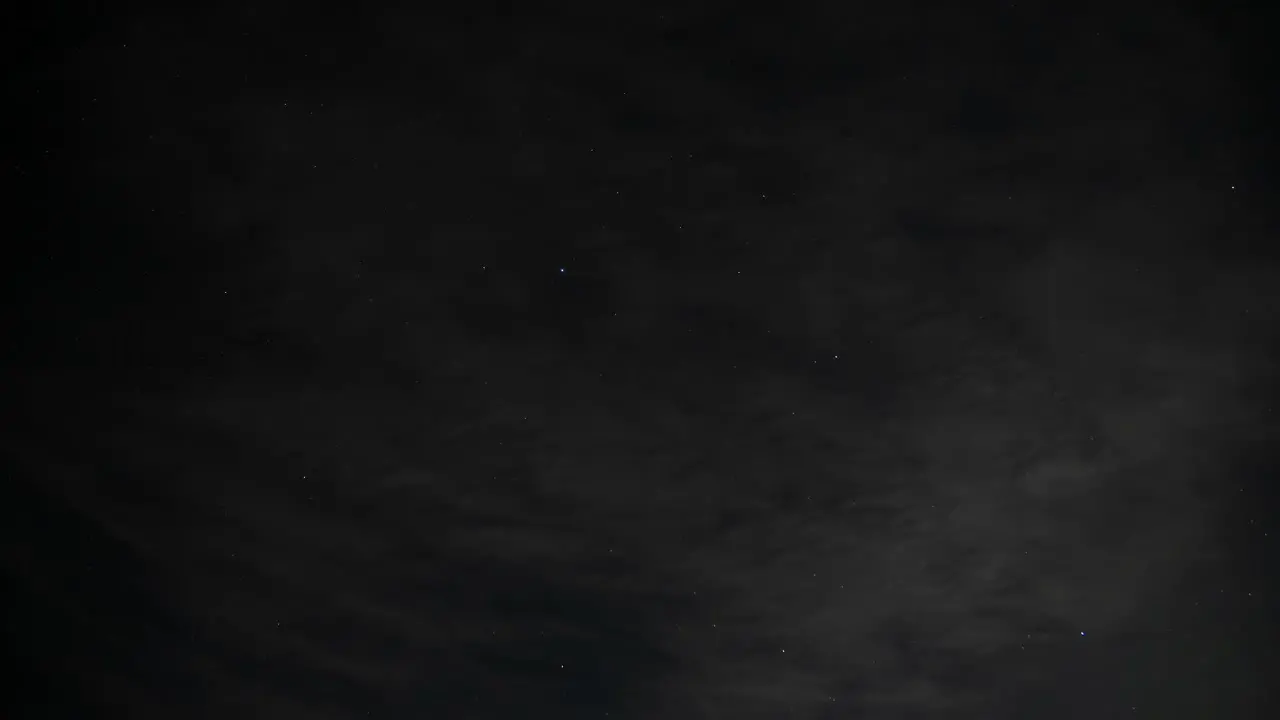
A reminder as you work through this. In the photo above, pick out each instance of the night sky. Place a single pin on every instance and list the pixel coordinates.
(680, 360)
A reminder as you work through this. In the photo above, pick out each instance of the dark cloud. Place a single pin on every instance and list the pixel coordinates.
(899, 367)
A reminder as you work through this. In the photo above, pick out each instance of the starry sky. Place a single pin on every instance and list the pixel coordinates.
(669, 360)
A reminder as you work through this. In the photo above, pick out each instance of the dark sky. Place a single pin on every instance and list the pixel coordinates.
(690, 360)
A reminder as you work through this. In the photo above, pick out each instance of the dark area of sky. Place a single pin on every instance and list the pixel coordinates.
(679, 360)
